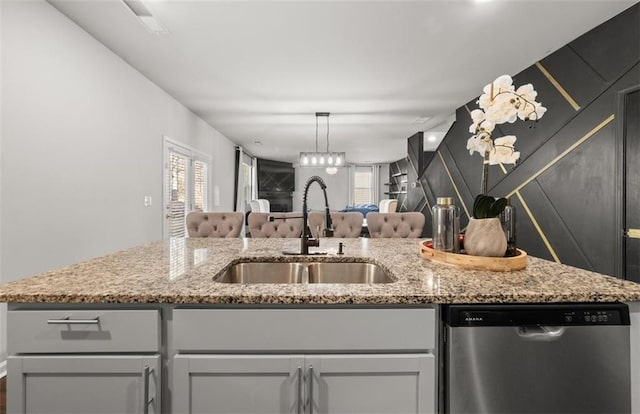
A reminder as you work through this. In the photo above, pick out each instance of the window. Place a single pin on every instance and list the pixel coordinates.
(186, 187)
(362, 186)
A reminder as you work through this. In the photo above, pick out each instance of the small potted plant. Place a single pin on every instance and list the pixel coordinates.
(500, 102)
(484, 236)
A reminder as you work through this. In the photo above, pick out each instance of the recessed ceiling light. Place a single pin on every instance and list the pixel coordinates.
(431, 138)
(257, 142)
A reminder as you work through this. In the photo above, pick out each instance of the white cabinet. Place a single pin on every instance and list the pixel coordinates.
(304, 361)
(242, 384)
(83, 361)
(297, 384)
(371, 384)
(83, 384)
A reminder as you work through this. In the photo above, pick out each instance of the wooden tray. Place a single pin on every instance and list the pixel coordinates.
(465, 261)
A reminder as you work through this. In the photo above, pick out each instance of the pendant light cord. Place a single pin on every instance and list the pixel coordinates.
(327, 133)
(316, 132)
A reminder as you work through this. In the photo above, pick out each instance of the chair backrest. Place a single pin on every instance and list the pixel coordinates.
(388, 205)
(265, 206)
(256, 207)
(395, 225)
(344, 224)
(214, 224)
(283, 226)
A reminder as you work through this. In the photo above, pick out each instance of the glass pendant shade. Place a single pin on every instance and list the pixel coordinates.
(313, 159)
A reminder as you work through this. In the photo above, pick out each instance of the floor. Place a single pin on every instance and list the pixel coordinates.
(3, 395)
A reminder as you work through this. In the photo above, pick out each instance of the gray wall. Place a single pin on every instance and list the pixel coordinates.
(82, 144)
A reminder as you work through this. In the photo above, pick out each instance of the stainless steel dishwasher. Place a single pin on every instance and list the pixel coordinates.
(566, 358)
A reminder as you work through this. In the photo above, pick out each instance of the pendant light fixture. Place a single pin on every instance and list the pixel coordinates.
(328, 159)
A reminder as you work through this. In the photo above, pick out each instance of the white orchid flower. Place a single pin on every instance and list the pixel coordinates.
(503, 151)
(480, 143)
(494, 90)
(477, 116)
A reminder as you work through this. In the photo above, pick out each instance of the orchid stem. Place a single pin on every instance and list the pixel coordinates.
(485, 174)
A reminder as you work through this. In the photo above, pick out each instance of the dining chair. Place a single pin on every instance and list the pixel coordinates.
(344, 224)
(283, 225)
(218, 224)
(395, 225)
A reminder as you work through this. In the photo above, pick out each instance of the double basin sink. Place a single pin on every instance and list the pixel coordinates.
(302, 272)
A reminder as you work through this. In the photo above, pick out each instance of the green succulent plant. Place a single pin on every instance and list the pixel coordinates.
(485, 206)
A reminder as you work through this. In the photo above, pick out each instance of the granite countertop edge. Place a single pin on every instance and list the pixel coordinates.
(143, 275)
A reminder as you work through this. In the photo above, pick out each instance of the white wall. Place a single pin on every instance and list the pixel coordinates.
(82, 144)
(337, 188)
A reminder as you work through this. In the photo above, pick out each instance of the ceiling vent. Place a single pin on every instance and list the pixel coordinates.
(146, 18)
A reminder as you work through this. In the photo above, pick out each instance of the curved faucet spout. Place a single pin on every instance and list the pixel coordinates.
(307, 240)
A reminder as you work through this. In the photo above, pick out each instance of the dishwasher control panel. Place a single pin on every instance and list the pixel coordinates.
(543, 314)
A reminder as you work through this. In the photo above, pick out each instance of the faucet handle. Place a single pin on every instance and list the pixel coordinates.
(313, 242)
(328, 232)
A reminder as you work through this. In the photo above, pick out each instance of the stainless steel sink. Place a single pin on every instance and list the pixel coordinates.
(264, 272)
(347, 273)
(298, 272)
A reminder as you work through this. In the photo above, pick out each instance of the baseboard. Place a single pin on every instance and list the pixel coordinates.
(3, 369)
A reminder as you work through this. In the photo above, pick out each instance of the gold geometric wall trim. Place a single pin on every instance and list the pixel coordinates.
(564, 153)
(535, 223)
(633, 233)
(455, 187)
(545, 240)
(559, 87)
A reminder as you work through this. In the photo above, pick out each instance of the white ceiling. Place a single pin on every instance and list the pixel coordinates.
(259, 70)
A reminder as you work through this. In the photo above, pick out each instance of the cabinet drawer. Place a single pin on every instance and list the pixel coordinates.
(246, 330)
(78, 331)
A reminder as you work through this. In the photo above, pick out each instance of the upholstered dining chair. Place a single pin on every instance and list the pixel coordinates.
(395, 225)
(388, 205)
(214, 224)
(344, 224)
(284, 225)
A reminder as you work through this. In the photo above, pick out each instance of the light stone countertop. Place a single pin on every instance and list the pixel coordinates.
(181, 271)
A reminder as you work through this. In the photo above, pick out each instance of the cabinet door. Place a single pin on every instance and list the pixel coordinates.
(210, 384)
(54, 384)
(371, 384)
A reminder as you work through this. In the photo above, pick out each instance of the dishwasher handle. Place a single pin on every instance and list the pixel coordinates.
(540, 333)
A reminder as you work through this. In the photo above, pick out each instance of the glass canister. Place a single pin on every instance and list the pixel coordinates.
(446, 225)
(508, 219)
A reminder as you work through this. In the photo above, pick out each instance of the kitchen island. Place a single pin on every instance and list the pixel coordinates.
(181, 271)
(150, 323)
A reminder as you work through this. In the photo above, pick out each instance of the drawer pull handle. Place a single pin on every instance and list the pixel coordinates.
(67, 321)
(310, 389)
(145, 395)
(300, 408)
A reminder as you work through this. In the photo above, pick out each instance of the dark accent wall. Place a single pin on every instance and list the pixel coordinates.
(398, 183)
(566, 184)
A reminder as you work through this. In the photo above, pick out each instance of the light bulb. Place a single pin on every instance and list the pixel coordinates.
(331, 170)
(338, 160)
(305, 160)
(321, 160)
(330, 160)
(314, 161)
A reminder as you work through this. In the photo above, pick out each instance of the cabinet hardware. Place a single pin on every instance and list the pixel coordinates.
(300, 409)
(146, 401)
(67, 321)
(633, 233)
(310, 400)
